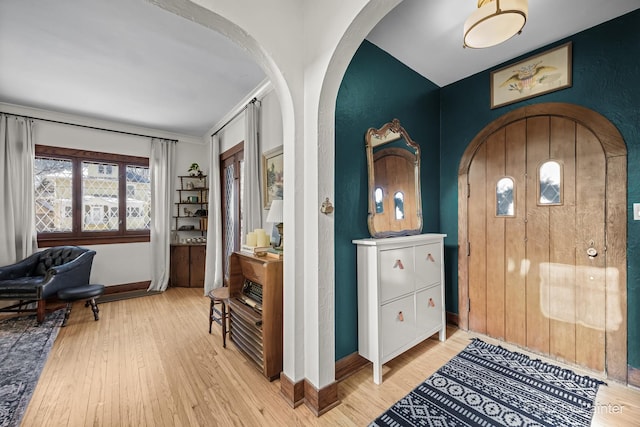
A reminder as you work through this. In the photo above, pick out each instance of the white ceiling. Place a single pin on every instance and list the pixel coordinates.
(129, 61)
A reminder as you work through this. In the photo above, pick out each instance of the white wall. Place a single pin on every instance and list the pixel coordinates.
(120, 263)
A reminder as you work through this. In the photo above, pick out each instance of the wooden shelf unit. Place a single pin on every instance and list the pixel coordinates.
(258, 335)
(200, 190)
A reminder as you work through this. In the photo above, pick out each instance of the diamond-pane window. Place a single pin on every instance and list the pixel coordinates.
(550, 180)
(138, 198)
(229, 225)
(504, 197)
(53, 184)
(100, 203)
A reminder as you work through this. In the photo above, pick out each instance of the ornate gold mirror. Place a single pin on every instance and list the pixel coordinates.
(393, 163)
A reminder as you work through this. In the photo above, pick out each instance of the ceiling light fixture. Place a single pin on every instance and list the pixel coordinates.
(494, 22)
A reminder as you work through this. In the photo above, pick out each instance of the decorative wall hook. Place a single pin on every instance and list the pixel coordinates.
(326, 207)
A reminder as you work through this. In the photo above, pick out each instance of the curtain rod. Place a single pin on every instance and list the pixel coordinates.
(253, 101)
(88, 127)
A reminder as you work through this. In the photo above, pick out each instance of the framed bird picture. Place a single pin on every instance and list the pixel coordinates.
(540, 74)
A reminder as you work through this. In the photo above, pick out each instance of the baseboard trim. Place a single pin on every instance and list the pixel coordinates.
(292, 392)
(321, 400)
(126, 287)
(349, 365)
(633, 376)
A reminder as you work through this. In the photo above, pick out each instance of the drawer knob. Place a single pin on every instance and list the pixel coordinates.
(400, 316)
(398, 264)
(430, 258)
(431, 303)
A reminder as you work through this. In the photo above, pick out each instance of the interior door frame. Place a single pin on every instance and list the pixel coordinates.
(615, 152)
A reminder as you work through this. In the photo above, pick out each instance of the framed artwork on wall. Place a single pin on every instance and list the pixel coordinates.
(272, 176)
(540, 74)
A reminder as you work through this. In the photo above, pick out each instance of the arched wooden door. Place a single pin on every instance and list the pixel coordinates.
(544, 235)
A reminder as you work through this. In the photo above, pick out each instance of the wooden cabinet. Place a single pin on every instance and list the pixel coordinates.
(400, 295)
(187, 265)
(257, 332)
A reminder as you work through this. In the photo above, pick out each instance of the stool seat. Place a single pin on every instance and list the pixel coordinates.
(84, 292)
(219, 296)
(219, 293)
(81, 292)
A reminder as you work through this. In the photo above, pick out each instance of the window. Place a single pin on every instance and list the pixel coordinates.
(504, 197)
(550, 174)
(85, 197)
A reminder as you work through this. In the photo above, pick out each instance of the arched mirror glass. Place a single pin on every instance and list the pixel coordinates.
(393, 162)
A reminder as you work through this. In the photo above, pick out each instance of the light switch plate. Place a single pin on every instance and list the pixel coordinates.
(636, 211)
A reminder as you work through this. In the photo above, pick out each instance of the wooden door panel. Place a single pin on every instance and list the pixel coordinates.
(478, 242)
(590, 272)
(515, 286)
(537, 237)
(495, 244)
(562, 276)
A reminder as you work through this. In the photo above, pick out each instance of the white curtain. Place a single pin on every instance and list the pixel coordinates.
(213, 261)
(162, 171)
(251, 203)
(17, 218)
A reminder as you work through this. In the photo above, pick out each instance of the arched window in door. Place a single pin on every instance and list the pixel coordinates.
(550, 179)
(505, 189)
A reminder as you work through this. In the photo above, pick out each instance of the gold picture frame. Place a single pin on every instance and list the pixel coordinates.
(272, 176)
(535, 76)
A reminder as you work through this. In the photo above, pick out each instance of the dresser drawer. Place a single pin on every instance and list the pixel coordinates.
(396, 273)
(428, 265)
(429, 309)
(397, 324)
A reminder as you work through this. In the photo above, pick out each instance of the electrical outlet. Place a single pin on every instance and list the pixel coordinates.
(636, 211)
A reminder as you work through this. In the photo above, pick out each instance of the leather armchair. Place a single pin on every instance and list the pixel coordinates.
(41, 275)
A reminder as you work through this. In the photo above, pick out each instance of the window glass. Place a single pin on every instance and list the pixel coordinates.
(504, 197)
(53, 181)
(100, 199)
(550, 177)
(398, 200)
(138, 198)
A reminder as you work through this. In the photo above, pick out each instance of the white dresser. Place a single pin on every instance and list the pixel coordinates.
(400, 295)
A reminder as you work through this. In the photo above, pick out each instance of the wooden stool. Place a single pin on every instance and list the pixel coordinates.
(219, 296)
(85, 292)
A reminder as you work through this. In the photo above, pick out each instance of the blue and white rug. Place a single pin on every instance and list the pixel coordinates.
(24, 347)
(486, 385)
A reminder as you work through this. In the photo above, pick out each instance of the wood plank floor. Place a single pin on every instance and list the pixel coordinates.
(151, 362)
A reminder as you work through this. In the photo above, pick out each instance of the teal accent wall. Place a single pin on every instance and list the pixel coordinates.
(606, 79)
(376, 88)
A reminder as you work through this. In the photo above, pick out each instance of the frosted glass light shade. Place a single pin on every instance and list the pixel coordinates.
(494, 22)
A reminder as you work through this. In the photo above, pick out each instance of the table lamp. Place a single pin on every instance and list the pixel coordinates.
(275, 216)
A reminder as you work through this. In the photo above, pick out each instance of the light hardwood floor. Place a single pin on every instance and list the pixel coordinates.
(151, 362)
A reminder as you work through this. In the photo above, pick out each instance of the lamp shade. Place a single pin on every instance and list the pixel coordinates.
(275, 212)
(494, 22)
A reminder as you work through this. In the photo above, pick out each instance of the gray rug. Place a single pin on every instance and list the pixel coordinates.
(24, 348)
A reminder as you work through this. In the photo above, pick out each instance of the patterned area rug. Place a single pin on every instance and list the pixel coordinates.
(485, 385)
(24, 348)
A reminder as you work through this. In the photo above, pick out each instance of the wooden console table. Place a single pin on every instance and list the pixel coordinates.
(257, 333)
